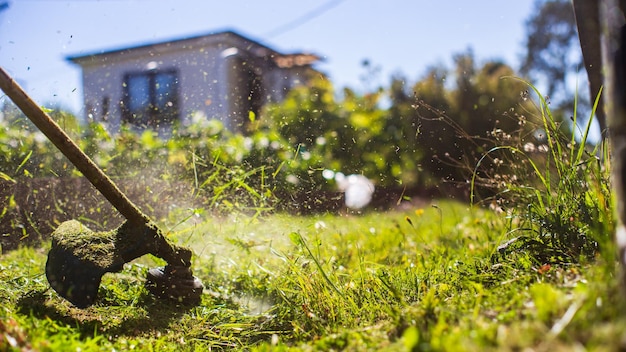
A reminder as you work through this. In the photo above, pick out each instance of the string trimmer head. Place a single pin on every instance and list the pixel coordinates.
(79, 257)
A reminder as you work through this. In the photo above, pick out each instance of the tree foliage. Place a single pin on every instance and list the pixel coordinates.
(457, 123)
(552, 46)
(431, 130)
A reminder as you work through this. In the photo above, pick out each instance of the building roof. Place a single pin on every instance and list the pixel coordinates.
(207, 39)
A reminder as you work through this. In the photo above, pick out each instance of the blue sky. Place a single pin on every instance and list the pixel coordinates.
(399, 36)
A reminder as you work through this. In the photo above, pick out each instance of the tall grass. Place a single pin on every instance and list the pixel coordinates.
(556, 188)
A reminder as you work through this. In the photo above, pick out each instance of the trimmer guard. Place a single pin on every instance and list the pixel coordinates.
(79, 257)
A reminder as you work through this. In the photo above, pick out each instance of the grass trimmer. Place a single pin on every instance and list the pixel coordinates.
(80, 257)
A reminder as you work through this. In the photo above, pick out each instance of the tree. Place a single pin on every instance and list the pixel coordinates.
(432, 130)
(552, 48)
(588, 23)
(457, 124)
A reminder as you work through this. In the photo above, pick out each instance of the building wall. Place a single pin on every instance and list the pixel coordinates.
(214, 79)
(201, 84)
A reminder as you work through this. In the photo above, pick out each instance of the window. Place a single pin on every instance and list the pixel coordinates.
(151, 98)
(105, 108)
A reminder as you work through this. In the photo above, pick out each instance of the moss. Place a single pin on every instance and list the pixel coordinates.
(109, 250)
(98, 248)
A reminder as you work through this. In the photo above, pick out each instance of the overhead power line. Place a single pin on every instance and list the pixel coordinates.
(299, 21)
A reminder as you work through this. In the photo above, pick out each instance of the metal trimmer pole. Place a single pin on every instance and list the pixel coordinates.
(76, 275)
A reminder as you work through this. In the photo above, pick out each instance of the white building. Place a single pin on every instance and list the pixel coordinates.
(220, 76)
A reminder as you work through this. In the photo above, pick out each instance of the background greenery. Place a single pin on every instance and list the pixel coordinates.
(406, 135)
(522, 259)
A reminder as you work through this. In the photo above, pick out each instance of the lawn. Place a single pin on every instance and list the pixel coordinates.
(434, 276)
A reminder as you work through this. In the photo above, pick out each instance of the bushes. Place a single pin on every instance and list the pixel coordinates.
(387, 134)
(427, 135)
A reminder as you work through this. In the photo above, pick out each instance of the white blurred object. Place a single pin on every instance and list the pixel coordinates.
(358, 189)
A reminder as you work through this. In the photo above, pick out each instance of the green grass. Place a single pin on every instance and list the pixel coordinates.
(422, 279)
(535, 270)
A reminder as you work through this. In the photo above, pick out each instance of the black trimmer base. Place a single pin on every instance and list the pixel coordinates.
(175, 283)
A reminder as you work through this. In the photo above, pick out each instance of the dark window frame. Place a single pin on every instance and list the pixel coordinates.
(153, 116)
